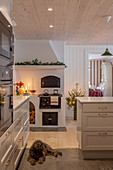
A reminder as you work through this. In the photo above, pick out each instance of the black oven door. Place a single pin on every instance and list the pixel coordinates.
(6, 107)
(5, 37)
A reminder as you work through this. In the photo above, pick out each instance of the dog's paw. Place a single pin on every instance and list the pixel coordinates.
(33, 163)
(41, 160)
(60, 153)
(55, 154)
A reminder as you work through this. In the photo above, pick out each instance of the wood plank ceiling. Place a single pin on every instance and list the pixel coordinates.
(76, 21)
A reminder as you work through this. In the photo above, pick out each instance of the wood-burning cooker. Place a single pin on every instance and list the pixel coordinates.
(50, 110)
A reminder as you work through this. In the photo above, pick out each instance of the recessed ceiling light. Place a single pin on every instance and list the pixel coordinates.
(9, 26)
(50, 9)
(51, 26)
(107, 17)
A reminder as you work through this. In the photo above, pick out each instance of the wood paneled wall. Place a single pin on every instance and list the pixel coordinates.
(76, 59)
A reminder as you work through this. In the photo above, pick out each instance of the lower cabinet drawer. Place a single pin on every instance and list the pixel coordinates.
(18, 150)
(98, 107)
(26, 116)
(98, 122)
(25, 132)
(97, 141)
(6, 145)
(18, 125)
(8, 165)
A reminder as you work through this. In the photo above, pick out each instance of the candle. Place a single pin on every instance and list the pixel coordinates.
(28, 86)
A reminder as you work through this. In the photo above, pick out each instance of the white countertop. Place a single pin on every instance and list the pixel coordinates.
(18, 100)
(95, 99)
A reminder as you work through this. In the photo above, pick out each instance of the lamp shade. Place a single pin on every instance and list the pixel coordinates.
(106, 53)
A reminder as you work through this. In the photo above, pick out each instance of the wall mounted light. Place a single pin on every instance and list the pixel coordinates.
(106, 53)
(50, 9)
(51, 26)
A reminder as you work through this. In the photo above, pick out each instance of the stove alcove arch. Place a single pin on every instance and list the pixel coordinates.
(32, 113)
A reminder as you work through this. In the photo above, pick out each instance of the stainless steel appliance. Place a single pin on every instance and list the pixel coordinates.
(6, 74)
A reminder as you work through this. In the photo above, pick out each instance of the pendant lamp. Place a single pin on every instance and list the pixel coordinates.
(106, 53)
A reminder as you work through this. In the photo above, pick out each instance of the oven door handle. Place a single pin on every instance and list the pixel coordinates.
(6, 85)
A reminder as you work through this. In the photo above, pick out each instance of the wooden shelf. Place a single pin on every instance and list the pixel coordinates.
(40, 67)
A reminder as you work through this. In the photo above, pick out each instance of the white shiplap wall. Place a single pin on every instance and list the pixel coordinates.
(76, 59)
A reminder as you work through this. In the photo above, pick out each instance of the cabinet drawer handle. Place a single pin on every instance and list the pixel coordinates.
(26, 109)
(19, 140)
(50, 119)
(27, 103)
(27, 126)
(102, 108)
(8, 162)
(102, 133)
(19, 111)
(7, 133)
(102, 114)
(19, 118)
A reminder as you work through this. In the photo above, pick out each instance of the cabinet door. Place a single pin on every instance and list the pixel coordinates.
(25, 132)
(18, 149)
(97, 141)
(97, 121)
(20, 110)
(50, 118)
(6, 145)
(18, 127)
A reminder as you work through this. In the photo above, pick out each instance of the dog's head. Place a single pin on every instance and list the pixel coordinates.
(37, 145)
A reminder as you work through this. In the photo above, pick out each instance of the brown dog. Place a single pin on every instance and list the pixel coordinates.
(39, 151)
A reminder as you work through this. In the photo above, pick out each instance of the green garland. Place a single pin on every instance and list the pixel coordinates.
(36, 62)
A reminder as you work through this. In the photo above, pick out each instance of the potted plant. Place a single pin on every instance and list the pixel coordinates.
(72, 101)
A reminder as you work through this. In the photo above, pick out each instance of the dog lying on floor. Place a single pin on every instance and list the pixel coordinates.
(38, 152)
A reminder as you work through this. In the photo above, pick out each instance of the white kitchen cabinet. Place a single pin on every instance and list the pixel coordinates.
(6, 146)
(9, 164)
(18, 148)
(13, 141)
(97, 107)
(95, 127)
(26, 132)
(98, 121)
(21, 132)
(97, 141)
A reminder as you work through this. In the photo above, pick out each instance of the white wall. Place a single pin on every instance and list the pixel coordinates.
(33, 77)
(6, 8)
(58, 48)
(76, 59)
(31, 49)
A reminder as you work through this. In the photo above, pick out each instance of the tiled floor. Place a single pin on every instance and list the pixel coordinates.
(67, 143)
(70, 160)
(57, 140)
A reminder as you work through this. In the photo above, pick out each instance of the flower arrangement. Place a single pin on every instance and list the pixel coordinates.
(19, 88)
(72, 101)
